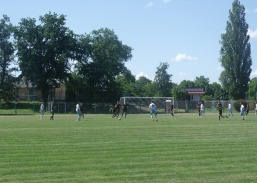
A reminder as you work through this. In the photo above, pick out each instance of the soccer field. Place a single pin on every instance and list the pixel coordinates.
(185, 148)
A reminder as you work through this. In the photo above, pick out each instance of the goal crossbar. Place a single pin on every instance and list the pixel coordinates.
(141, 104)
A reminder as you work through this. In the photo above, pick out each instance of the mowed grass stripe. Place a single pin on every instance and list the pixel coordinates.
(101, 149)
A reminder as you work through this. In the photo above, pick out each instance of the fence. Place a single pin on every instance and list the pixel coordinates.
(210, 105)
(104, 108)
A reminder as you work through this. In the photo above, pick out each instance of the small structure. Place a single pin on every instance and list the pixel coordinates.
(195, 93)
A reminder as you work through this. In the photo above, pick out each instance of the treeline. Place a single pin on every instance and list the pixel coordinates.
(92, 65)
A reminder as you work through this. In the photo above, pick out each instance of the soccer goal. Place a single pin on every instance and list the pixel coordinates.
(141, 104)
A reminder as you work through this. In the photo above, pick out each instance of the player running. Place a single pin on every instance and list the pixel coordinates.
(220, 108)
(116, 110)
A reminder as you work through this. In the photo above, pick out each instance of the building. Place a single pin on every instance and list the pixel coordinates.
(26, 92)
(195, 93)
(60, 93)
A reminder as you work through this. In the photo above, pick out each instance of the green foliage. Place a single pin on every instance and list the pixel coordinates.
(201, 82)
(6, 59)
(216, 91)
(179, 93)
(252, 91)
(144, 87)
(235, 53)
(162, 80)
(187, 84)
(106, 58)
(44, 51)
(207, 97)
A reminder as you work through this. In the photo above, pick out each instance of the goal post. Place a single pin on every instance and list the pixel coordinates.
(141, 104)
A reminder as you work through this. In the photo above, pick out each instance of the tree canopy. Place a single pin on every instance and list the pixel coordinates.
(235, 53)
(106, 60)
(44, 51)
(6, 58)
(163, 80)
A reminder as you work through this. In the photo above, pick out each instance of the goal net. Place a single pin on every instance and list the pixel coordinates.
(141, 104)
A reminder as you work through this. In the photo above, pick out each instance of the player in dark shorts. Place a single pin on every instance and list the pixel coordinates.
(116, 110)
(247, 109)
(53, 106)
(124, 110)
(198, 107)
(220, 108)
(172, 109)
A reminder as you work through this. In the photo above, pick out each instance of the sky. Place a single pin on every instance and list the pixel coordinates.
(183, 33)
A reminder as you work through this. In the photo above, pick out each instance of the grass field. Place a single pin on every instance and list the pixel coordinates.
(185, 148)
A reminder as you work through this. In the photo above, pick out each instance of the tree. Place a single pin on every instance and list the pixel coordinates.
(126, 82)
(186, 84)
(44, 51)
(144, 87)
(216, 91)
(202, 82)
(252, 91)
(163, 80)
(107, 61)
(6, 58)
(179, 93)
(235, 53)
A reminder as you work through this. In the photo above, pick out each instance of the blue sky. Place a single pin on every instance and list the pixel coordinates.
(183, 33)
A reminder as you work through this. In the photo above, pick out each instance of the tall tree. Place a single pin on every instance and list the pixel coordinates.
(44, 51)
(235, 53)
(163, 80)
(6, 57)
(107, 60)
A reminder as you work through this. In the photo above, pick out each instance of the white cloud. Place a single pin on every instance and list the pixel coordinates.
(252, 33)
(253, 74)
(255, 10)
(141, 74)
(184, 57)
(166, 1)
(149, 5)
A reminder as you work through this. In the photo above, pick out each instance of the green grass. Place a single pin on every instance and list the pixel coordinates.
(185, 148)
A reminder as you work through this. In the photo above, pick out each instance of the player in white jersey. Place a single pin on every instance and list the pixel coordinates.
(230, 109)
(41, 111)
(78, 112)
(242, 111)
(153, 111)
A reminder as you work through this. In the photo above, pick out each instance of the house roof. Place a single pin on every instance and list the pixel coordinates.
(194, 91)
